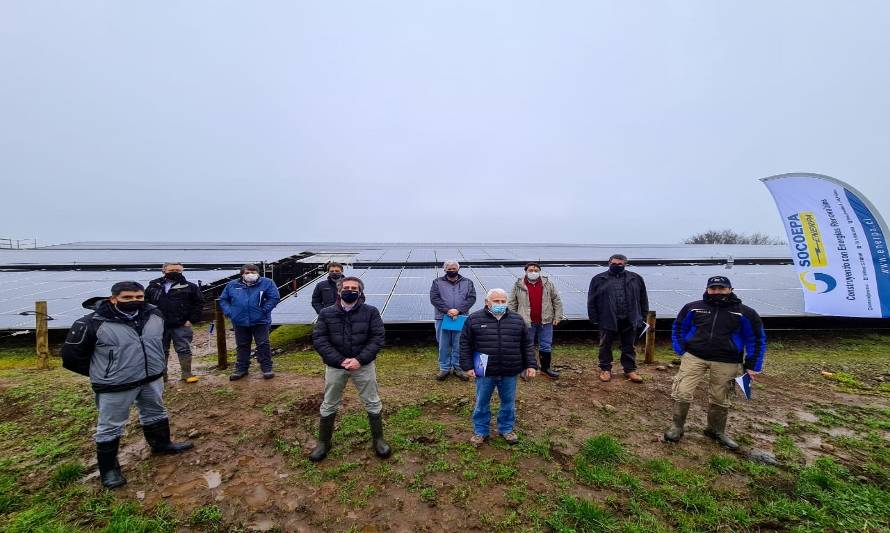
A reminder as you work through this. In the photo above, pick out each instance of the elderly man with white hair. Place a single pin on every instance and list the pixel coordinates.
(452, 295)
(495, 347)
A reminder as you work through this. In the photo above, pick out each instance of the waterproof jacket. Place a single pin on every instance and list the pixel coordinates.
(446, 295)
(182, 303)
(506, 342)
(728, 332)
(116, 353)
(601, 300)
(340, 334)
(324, 294)
(249, 305)
(551, 303)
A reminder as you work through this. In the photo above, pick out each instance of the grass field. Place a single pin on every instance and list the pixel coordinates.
(590, 457)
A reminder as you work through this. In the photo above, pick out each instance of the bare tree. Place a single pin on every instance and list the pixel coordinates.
(728, 236)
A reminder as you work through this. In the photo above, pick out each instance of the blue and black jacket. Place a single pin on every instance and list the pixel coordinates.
(727, 332)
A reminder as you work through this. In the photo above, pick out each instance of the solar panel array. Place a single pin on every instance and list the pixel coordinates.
(65, 291)
(402, 294)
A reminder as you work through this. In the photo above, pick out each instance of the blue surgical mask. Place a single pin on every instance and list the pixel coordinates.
(499, 309)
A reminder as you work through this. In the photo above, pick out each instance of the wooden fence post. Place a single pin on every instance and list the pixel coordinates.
(41, 316)
(222, 352)
(650, 338)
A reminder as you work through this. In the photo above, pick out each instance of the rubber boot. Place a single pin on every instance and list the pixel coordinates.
(325, 432)
(675, 433)
(158, 437)
(546, 358)
(185, 364)
(381, 448)
(109, 468)
(717, 427)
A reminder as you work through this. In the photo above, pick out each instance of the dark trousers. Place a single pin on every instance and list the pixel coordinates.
(259, 333)
(626, 334)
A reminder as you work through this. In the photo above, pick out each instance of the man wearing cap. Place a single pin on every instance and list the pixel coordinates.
(617, 302)
(720, 339)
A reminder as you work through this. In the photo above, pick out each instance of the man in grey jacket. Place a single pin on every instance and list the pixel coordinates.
(120, 346)
(452, 295)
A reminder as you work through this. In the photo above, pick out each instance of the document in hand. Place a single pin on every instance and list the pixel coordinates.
(480, 363)
(744, 383)
(453, 324)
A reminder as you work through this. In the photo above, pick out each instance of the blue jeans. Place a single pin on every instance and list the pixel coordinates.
(542, 335)
(259, 333)
(449, 347)
(506, 386)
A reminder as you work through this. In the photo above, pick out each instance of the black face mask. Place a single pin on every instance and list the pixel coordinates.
(718, 298)
(334, 276)
(450, 274)
(349, 297)
(616, 269)
(130, 307)
(174, 276)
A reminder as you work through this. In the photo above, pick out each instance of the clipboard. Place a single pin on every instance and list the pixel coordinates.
(453, 324)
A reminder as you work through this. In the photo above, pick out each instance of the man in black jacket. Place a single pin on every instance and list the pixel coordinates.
(120, 347)
(182, 304)
(325, 292)
(617, 302)
(495, 347)
(348, 336)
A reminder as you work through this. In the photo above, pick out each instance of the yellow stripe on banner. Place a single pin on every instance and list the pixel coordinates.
(814, 239)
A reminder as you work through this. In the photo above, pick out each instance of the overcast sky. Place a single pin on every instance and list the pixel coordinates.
(596, 122)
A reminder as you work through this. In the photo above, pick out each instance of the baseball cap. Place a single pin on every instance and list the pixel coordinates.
(719, 281)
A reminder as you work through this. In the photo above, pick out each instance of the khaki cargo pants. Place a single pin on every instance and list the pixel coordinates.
(693, 370)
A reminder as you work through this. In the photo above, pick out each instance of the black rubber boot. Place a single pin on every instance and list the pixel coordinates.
(158, 437)
(325, 432)
(381, 448)
(675, 433)
(546, 358)
(109, 468)
(717, 427)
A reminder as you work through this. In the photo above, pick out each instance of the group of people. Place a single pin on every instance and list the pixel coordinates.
(123, 345)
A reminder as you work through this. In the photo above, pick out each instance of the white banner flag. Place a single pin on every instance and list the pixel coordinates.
(838, 244)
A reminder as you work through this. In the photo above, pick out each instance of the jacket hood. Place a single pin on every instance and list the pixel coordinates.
(106, 309)
(93, 303)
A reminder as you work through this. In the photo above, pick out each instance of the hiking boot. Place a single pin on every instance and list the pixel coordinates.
(109, 468)
(238, 375)
(632, 376)
(442, 375)
(158, 437)
(478, 440)
(460, 374)
(325, 432)
(605, 376)
(511, 438)
(717, 426)
(381, 448)
(675, 433)
(268, 375)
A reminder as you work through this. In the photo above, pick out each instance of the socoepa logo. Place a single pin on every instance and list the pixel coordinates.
(806, 239)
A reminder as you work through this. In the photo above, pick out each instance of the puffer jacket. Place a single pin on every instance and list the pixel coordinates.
(116, 353)
(340, 334)
(249, 305)
(506, 342)
(446, 295)
(551, 303)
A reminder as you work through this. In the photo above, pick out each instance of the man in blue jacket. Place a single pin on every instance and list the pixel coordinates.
(452, 295)
(718, 339)
(248, 302)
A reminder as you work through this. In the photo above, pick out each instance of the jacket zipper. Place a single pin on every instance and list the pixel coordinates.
(110, 362)
(714, 323)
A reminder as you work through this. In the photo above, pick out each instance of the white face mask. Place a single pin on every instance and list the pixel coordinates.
(251, 277)
(532, 276)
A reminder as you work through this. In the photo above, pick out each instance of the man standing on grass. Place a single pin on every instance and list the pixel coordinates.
(182, 304)
(617, 302)
(248, 302)
(452, 295)
(325, 292)
(120, 346)
(720, 337)
(348, 336)
(536, 299)
(495, 348)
